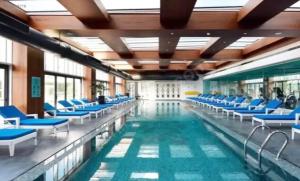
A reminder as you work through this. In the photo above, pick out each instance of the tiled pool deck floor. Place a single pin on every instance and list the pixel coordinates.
(28, 155)
(240, 130)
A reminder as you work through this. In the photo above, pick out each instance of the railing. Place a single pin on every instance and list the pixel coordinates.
(266, 141)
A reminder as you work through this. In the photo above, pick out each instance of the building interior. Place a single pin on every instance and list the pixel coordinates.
(149, 90)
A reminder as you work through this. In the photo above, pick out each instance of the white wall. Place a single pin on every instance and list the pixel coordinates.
(148, 89)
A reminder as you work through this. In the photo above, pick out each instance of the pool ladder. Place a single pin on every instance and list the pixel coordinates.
(262, 147)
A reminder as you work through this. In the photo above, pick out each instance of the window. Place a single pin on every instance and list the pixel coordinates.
(63, 79)
(70, 88)
(54, 63)
(118, 85)
(61, 89)
(5, 61)
(50, 89)
(103, 78)
(3, 86)
(5, 50)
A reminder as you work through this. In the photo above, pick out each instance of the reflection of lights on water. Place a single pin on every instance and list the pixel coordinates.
(180, 151)
(135, 125)
(120, 149)
(234, 176)
(188, 176)
(145, 175)
(149, 151)
(212, 151)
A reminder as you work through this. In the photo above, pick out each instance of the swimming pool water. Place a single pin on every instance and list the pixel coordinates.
(163, 141)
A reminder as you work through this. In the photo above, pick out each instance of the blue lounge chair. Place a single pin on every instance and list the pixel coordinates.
(92, 110)
(229, 101)
(265, 119)
(52, 111)
(11, 136)
(252, 105)
(14, 116)
(270, 107)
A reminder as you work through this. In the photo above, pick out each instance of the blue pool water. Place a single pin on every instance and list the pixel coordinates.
(163, 141)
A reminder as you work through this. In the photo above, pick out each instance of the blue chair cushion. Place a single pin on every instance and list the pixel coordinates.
(275, 117)
(236, 108)
(297, 126)
(42, 122)
(11, 112)
(251, 111)
(88, 109)
(9, 134)
(77, 113)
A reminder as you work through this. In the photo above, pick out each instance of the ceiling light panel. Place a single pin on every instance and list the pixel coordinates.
(141, 44)
(40, 6)
(93, 44)
(243, 42)
(149, 62)
(130, 4)
(192, 42)
(200, 4)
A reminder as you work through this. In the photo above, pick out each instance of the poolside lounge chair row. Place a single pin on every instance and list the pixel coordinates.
(255, 110)
(18, 127)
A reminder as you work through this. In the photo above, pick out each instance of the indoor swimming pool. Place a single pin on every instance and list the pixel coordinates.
(163, 141)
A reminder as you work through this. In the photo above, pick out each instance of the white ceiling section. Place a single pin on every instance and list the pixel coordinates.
(130, 4)
(141, 44)
(243, 42)
(40, 6)
(192, 43)
(93, 44)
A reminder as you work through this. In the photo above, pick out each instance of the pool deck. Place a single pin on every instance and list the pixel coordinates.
(27, 155)
(290, 158)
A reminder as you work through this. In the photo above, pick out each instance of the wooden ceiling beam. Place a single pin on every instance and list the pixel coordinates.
(175, 13)
(257, 12)
(218, 25)
(13, 10)
(261, 44)
(230, 54)
(167, 47)
(90, 12)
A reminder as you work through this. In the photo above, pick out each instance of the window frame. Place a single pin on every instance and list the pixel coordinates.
(74, 77)
(6, 83)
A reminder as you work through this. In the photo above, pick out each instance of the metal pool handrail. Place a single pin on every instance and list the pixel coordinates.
(250, 136)
(267, 140)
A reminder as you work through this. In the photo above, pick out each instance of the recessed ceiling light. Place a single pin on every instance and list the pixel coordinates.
(207, 33)
(278, 33)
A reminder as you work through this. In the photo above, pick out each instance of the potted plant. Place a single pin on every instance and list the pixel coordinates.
(99, 88)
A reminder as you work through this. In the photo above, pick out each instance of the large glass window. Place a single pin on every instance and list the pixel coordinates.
(103, 78)
(50, 89)
(61, 88)
(78, 88)
(118, 85)
(5, 61)
(3, 87)
(63, 79)
(70, 88)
